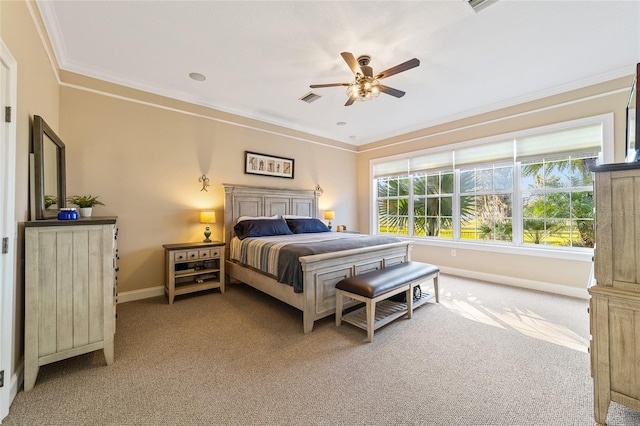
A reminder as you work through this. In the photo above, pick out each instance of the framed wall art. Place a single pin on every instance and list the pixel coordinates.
(268, 165)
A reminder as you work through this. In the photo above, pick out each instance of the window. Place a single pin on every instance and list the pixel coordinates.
(486, 203)
(557, 200)
(393, 205)
(533, 189)
(433, 204)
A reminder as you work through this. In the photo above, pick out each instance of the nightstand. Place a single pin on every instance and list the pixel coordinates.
(191, 267)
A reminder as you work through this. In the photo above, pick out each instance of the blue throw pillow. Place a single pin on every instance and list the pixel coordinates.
(307, 226)
(261, 228)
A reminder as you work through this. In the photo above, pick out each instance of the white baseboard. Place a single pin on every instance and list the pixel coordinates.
(145, 293)
(580, 293)
(14, 382)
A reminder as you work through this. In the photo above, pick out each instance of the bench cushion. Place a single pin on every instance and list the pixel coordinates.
(374, 283)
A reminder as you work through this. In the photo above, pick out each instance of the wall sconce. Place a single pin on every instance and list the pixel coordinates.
(207, 217)
(205, 182)
(319, 189)
(329, 215)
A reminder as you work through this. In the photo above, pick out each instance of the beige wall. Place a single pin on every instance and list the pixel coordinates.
(38, 91)
(536, 272)
(37, 94)
(144, 160)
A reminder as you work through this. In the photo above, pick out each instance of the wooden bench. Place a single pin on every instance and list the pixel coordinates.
(377, 287)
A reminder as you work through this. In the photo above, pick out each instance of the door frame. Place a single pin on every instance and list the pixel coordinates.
(8, 229)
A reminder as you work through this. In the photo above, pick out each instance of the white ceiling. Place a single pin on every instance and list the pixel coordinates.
(260, 57)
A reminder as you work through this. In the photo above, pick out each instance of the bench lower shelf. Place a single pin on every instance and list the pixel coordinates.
(386, 311)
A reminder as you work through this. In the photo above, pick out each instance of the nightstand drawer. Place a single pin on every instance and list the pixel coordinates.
(183, 256)
(213, 253)
(180, 256)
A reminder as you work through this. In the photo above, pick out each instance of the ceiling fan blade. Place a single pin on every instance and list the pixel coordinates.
(315, 86)
(367, 70)
(391, 91)
(411, 63)
(351, 61)
(350, 101)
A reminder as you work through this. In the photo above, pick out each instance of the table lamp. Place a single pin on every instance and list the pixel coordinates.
(329, 215)
(207, 217)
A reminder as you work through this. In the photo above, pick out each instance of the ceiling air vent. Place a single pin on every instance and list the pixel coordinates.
(478, 5)
(310, 97)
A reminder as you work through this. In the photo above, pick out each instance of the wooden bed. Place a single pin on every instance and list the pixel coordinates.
(321, 272)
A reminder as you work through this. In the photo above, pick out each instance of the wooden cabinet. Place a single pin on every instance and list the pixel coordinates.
(70, 291)
(191, 267)
(614, 311)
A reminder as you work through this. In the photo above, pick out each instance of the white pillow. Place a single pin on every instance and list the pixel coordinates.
(293, 216)
(241, 218)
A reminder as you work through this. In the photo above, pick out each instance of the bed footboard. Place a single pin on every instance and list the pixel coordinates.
(323, 271)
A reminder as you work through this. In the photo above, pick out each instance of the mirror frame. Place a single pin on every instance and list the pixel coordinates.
(637, 129)
(40, 130)
(632, 132)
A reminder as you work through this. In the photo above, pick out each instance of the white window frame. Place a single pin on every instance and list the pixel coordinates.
(516, 247)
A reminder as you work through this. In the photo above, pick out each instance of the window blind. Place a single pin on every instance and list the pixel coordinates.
(490, 153)
(436, 161)
(578, 139)
(391, 168)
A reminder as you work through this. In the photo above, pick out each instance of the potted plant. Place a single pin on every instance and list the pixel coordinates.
(85, 203)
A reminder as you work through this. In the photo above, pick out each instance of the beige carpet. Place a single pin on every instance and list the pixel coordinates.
(486, 355)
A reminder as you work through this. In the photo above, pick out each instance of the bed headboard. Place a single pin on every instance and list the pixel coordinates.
(242, 200)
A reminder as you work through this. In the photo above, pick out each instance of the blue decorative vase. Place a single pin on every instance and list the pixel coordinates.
(68, 214)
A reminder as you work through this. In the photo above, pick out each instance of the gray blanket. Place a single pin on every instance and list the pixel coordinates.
(290, 268)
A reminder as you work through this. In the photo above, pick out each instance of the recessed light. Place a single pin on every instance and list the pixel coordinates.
(341, 123)
(197, 76)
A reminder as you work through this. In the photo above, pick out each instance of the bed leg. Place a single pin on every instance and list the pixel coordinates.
(307, 322)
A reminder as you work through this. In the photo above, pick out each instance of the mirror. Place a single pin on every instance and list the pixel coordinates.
(631, 153)
(50, 192)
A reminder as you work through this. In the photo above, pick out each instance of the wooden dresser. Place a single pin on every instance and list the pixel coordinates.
(614, 311)
(70, 290)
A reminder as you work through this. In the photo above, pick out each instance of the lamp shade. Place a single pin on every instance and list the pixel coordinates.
(207, 216)
(329, 214)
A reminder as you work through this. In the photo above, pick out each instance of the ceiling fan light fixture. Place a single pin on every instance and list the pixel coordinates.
(364, 88)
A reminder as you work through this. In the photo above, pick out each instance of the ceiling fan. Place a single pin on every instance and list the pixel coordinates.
(367, 85)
